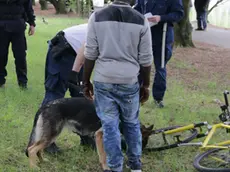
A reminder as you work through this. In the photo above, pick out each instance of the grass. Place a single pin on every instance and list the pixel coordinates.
(17, 110)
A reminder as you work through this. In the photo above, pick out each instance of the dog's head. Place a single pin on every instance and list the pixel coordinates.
(146, 132)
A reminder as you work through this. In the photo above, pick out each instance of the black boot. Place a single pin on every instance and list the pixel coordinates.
(199, 25)
(23, 86)
(53, 149)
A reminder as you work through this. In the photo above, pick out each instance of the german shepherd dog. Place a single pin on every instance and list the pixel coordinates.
(77, 113)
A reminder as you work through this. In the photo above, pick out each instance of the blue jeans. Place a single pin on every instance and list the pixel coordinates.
(159, 84)
(115, 103)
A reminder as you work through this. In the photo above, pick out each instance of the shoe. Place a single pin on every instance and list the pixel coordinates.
(23, 86)
(199, 29)
(53, 149)
(138, 170)
(159, 103)
(2, 85)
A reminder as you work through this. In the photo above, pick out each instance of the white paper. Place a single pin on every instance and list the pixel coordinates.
(148, 15)
(98, 3)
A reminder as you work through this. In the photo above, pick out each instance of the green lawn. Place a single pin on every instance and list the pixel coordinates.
(17, 110)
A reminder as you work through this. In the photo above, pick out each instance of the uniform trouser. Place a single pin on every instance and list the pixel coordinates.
(201, 14)
(56, 76)
(201, 19)
(18, 41)
(159, 84)
(56, 81)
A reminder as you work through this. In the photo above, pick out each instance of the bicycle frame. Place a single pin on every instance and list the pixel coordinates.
(221, 145)
(211, 130)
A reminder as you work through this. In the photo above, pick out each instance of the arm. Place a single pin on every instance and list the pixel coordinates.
(176, 12)
(80, 59)
(137, 6)
(145, 55)
(91, 51)
(29, 12)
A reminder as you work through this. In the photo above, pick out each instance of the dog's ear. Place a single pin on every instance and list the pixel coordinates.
(150, 128)
(143, 127)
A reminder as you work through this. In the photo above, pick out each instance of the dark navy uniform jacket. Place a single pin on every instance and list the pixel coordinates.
(14, 14)
(170, 11)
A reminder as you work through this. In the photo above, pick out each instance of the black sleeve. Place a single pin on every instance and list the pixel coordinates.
(29, 13)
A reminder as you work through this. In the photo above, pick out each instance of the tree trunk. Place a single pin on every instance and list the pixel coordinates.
(78, 7)
(43, 4)
(183, 29)
(59, 6)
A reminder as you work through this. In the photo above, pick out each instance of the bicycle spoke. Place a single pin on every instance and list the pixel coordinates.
(220, 159)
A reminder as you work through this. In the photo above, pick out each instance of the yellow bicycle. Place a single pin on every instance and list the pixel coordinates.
(218, 153)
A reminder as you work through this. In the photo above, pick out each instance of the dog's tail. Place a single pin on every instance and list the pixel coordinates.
(32, 134)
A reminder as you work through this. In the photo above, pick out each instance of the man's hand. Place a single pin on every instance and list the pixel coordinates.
(88, 90)
(144, 94)
(31, 30)
(155, 19)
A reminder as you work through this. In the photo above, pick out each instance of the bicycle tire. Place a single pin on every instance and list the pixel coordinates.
(198, 158)
(188, 139)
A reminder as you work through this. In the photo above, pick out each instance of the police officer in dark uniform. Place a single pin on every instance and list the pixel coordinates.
(64, 49)
(201, 13)
(169, 11)
(13, 17)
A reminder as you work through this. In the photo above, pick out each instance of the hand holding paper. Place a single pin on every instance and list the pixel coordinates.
(153, 20)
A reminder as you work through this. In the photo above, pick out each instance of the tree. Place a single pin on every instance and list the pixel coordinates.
(183, 29)
(43, 4)
(218, 2)
(59, 5)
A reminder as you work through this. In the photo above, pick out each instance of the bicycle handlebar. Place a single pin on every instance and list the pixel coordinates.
(226, 92)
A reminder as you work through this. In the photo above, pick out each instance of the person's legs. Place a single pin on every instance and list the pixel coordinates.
(204, 20)
(19, 48)
(108, 111)
(129, 106)
(78, 92)
(4, 47)
(55, 87)
(159, 84)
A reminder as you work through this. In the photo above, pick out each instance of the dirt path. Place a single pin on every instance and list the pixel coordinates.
(213, 35)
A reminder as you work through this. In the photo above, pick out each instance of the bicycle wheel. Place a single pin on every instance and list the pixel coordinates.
(157, 145)
(219, 161)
